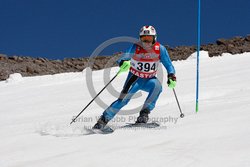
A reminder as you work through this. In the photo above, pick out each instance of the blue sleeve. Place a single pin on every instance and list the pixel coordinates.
(128, 54)
(166, 61)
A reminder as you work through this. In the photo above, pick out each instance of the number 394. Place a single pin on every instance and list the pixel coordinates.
(146, 66)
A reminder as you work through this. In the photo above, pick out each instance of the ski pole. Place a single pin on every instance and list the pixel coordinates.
(182, 115)
(73, 120)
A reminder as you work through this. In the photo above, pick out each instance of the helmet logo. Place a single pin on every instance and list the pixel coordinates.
(146, 32)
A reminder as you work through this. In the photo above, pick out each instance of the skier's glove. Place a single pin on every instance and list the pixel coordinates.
(124, 66)
(171, 81)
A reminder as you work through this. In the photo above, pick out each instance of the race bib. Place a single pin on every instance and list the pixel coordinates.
(144, 63)
(145, 67)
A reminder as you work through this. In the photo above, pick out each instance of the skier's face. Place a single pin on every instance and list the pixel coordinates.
(147, 41)
(147, 38)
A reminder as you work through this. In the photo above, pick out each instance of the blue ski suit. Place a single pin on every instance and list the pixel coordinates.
(134, 83)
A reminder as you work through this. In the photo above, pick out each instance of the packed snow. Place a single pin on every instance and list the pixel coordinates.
(35, 113)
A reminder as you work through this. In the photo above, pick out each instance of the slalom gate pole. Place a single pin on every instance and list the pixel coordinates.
(198, 54)
(73, 120)
(182, 115)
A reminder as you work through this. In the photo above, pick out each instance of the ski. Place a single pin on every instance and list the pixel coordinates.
(142, 125)
(109, 130)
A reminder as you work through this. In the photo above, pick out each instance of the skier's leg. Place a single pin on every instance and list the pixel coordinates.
(131, 79)
(153, 86)
(115, 107)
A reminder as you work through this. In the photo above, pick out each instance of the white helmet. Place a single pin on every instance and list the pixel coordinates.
(148, 30)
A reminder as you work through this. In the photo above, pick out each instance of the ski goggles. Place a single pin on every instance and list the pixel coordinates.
(147, 38)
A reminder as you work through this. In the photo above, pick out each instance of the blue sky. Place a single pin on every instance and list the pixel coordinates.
(74, 28)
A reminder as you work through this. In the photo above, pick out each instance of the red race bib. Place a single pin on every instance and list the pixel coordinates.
(144, 63)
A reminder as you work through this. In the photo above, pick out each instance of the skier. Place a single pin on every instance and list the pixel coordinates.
(142, 60)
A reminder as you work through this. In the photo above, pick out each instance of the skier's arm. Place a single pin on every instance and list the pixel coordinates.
(166, 61)
(127, 55)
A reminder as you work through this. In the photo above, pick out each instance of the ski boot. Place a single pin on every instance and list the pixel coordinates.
(143, 117)
(101, 123)
(101, 127)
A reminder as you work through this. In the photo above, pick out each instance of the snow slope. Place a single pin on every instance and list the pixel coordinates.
(35, 113)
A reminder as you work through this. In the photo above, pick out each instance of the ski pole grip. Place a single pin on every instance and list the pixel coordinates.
(124, 67)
